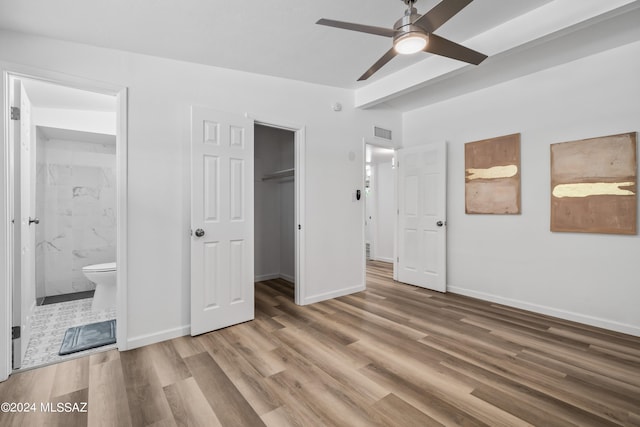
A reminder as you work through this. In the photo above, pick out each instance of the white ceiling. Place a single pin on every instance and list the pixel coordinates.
(275, 37)
(280, 37)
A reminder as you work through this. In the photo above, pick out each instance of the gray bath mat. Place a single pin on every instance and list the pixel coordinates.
(89, 336)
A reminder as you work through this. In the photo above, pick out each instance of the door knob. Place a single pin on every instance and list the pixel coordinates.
(34, 220)
(199, 232)
(439, 223)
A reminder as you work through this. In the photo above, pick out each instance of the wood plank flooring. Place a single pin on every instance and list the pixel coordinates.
(395, 355)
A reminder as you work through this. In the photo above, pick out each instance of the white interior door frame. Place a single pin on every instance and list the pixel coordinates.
(377, 142)
(299, 183)
(9, 72)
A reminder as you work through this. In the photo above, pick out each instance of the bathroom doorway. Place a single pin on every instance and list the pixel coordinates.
(67, 153)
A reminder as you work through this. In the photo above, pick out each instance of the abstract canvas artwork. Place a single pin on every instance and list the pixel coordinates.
(594, 185)
(492, 175)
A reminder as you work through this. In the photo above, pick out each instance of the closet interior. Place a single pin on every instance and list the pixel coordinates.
(274, 205)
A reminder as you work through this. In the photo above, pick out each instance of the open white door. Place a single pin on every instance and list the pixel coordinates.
(28, 221)
(222, 270)
(422, 241)
(24, 298)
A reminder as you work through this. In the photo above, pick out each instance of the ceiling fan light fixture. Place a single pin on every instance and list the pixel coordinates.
(414, 32)
(410, 43)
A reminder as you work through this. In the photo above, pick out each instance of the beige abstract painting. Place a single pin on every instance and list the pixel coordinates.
(492, 175)
(594, 185)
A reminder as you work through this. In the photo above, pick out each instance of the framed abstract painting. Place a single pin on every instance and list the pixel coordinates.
(594, 185)
(492, 175)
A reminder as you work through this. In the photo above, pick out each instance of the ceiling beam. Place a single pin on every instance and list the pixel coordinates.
(550, 21)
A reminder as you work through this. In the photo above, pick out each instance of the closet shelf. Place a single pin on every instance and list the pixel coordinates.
(278, 174)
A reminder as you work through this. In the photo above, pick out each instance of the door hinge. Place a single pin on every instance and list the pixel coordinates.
(398, 259)
(299, 227)
(15, 113)
(15, 332)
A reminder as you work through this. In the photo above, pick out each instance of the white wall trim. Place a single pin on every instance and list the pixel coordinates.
(5, 233)
(300, 264)
(334, 294)
(384, 259)
(121, 218)
(550, 311)
(268, 276)
(396, 223)
(363, 211)
(272, 276)
(156, 337)
(287, 277)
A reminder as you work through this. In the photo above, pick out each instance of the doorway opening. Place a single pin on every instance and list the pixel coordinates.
(275, 208)
(66, 162)
(380, 211)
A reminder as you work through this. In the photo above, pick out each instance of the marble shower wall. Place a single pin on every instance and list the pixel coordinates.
(76, 197)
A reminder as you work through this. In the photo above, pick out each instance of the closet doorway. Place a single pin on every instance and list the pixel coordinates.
(275, 208)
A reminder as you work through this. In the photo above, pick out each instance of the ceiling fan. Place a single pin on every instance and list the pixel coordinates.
(414, 33)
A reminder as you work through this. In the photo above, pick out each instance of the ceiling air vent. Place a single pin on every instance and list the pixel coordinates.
(382, 133)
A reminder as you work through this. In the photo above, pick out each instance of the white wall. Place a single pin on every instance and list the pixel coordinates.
(160, 95)
(384, 194)
(515, 259)
(287, 214)
(266, 206)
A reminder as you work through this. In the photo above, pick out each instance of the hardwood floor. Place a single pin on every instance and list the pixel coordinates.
(394, 355)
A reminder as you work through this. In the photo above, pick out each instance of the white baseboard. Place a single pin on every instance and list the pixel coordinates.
(383, 259)
(550, 311)
(333, 294)
(168, 334)
(263, 277)
(287, 278)
(271, 276)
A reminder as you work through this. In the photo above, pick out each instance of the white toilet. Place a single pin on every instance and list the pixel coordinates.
(104, 276)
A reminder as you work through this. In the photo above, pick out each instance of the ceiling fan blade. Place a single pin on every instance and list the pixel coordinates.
(378, 31)
(379, 64)
(443, 47)
(440, 14)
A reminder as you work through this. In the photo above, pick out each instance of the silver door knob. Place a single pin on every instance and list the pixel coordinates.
(199, 232)
(34, 220)
(439, 223)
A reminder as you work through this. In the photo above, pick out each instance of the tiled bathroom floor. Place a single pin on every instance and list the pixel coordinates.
(49, 324)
